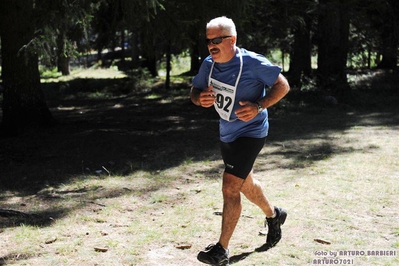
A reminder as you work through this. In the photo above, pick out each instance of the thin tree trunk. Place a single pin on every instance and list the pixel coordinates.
(194, 56)
(168, 65)
(123, 48)
(62, 56)
(333, 46)
(135, 52)
(300, 63)
(389, 36)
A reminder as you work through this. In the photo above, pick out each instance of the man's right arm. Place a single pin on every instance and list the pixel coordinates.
(194, 95)
(204, 98)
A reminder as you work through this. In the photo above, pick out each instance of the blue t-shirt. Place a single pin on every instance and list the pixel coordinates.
(257, 74)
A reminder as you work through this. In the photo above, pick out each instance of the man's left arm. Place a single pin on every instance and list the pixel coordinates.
(250, 110)
(279, 89)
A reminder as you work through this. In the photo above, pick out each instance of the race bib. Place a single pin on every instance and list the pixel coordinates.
(225, 93)
(225, 96)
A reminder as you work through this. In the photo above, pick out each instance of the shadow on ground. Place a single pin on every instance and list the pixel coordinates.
(104, 130)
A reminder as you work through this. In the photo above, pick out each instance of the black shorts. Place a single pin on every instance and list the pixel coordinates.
(239, 156)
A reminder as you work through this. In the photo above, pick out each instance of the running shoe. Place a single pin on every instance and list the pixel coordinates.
(273, 224)
(214, 255)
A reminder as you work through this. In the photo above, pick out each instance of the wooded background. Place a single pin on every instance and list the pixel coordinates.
(342, 34)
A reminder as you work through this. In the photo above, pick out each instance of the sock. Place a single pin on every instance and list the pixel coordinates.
(274, 215)
(226, 250)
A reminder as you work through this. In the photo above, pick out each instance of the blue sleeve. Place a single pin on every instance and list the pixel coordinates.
(200, 81)
(267, 73)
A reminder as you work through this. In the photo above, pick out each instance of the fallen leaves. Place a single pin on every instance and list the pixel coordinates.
(100, 249)
(183, 246)
(318, 240)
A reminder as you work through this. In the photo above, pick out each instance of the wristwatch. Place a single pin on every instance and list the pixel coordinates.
(260, 108)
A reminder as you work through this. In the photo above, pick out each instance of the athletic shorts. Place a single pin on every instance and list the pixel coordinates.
(239, 156)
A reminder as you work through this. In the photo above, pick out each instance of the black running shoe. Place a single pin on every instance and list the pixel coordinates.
(214, 255)
(274, 233)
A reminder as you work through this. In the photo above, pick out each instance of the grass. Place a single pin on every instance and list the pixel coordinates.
(334, 169)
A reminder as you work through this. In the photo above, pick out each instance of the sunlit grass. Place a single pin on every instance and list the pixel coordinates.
(180, 64)
(46, 73)
(337, 184)
(163, 209)
(153, 97)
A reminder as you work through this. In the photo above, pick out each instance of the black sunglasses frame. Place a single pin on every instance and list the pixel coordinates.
(216, 40)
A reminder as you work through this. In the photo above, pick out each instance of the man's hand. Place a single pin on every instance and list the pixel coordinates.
(205, 98)
(247, 112)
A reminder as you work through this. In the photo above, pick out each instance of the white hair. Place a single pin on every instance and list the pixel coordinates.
(225, 24)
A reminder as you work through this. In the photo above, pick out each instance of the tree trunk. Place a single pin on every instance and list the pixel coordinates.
(123, 62)
(168, 65)
(300, 63)
(194, 56)
(389, 36)
(151, 64)
(62, 56)
(333, 46)
(23, 100)
(135, 53)
(198, 48)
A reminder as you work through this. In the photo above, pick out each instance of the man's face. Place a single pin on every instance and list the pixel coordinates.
(224, 51)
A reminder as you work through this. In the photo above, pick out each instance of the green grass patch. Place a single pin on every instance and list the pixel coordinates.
(137, 174)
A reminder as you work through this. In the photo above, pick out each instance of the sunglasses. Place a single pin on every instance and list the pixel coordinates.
(216, 40)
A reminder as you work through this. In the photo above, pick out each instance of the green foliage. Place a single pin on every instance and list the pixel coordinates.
(180, 65)
(60, 24)
(47, 73)
(262, 25)
(141, 78)
(154, 28)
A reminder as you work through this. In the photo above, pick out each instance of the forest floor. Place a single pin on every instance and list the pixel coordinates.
(131, 175)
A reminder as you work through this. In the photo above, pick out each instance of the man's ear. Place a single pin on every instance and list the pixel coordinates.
(233, 39)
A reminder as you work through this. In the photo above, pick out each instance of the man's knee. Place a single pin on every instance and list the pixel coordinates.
(231, 184)
(250, 186)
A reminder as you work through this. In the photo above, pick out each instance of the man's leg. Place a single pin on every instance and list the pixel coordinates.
(275, 216)
(252, 189)
(231, 206)
(232, 186)
(218, 254)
